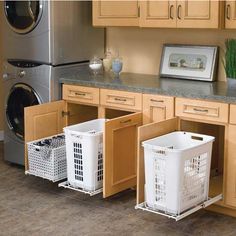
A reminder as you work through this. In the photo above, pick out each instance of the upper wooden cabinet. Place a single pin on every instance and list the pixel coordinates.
(198, 14)
(115, 13)
(230, 15)
(159, 13)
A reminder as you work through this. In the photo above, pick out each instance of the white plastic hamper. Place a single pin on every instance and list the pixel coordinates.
(84, 151)
(47, 158)
(177, 171)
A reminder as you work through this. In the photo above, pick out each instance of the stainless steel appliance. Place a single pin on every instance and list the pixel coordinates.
(25, 84)
(52, 32)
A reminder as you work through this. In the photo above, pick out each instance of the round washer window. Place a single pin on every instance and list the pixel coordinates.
(21, 96)
(23, 16)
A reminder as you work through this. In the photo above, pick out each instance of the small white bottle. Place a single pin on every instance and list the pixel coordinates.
(107, 61)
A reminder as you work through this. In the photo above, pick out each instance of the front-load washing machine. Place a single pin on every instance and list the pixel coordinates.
(27, 84)
(50, 32)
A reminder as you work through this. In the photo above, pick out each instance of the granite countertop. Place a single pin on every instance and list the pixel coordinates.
(214, 91)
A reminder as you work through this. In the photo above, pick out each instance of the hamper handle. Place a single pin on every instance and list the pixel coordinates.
(197, 137)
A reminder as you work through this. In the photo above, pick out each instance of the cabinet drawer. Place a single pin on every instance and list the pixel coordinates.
(157, 108)
(81, 94)
(232, 117)
(211, 111)
(121, 99)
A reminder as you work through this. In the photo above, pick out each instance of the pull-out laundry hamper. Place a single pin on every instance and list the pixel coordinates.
(84, 151)
(177, 171)
(47, 158)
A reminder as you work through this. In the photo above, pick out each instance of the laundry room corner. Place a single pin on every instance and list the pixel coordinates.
(1, 85)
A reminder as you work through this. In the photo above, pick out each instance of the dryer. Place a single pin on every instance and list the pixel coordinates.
(26, 84)
(50, 32)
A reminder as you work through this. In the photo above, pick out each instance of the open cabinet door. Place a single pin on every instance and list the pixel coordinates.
(43, 121)
(146, 132)
(120, 149)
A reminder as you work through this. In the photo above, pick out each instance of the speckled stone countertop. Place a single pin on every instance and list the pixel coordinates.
(213, 91)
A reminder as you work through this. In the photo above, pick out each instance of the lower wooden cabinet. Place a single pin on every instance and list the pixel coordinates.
(119, 139)
(157, 108)
(230, 190)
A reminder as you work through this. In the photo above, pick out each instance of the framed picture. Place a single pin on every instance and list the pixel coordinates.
(189, 62)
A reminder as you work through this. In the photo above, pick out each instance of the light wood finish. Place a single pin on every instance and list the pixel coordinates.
(115, 13)
(120, 146)
(43, 121)
(157, 108)
(232, 117)
(202, 110)
(230, 191)
(230, 15)
(146, 132)
(78, 113)
(198, 14)
(222, 210)
(80, 94)
(121, 99)
(161, 14)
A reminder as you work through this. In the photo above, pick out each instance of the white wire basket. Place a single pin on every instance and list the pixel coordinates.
(84, 146)
(177, 171)
(47, 158)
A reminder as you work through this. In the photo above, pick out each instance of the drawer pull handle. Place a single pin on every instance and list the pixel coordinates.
(126, 121)
(228, 12)
(120, 99)
(200, 110)
(80, 94)
(154, 100)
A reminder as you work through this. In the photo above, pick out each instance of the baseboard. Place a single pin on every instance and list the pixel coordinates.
(1, 135)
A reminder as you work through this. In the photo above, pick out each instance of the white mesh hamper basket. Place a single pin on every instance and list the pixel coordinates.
(47, 158)
(177, 171)
(84, 146)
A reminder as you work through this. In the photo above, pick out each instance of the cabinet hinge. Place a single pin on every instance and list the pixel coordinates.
(65, 113)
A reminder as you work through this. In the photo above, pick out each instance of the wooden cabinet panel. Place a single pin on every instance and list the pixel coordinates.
(198, 14)
(230, 15)
(198, 109)
(230, 170)
(121, 99)
(81, 94)
(115, 13)
(43, 121)
(120, 143)
(160, 13)
(232, 117)
(157, 108)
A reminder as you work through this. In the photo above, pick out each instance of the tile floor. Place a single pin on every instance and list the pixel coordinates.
(32, 206)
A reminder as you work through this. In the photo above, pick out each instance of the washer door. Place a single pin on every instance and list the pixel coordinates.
(20, 96)
(23, 16)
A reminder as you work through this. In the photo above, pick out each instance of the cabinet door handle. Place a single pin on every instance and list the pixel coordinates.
(120, 99)
(171, 11)
(80, 94)
(154, 100)
(200, 110)
(228, 12)
(126, 121)
(179, 10)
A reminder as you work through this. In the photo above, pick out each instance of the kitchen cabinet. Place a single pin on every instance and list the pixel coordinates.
(120, 155)
(230, 14)
(157, 108)
(159, 14)
(230, 195)
(115, 13)
(198, 14)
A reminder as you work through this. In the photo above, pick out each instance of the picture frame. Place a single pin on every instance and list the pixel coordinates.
(193, 62)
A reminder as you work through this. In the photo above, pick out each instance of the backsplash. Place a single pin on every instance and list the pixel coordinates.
(141, 48)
